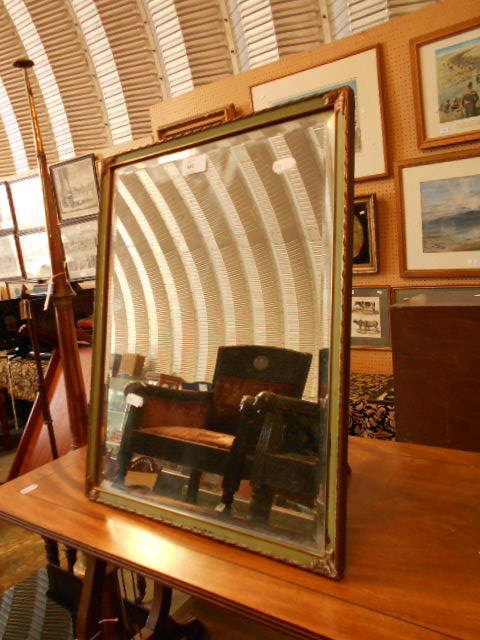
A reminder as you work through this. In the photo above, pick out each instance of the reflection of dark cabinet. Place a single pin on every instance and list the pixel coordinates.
(436, 366)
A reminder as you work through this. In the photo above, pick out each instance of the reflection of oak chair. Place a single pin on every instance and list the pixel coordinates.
(288, 453)
(198, 429)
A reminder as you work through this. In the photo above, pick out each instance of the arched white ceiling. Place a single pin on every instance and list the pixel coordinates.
(100, 65)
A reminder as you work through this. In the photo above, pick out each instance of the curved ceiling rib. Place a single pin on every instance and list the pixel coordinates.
(106, 70)
(13, 132)
(48, 85)
(128, 306)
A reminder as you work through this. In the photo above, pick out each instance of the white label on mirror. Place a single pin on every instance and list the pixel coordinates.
(284, 164)
(29, 489)
(134, 400)
(195, 164)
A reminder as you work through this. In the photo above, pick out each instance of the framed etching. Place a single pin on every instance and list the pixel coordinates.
(365, 234)
(361, 72)
(75, 185)
(446, 84)
(439, 225)
(218, 284)
(80, 245)
(370, 318)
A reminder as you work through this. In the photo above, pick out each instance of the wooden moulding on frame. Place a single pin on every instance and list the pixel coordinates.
(444, 65)
(370, 318)
(365, 236)
(440, 215)
(361, 72)
(75, 185)
(462, 294)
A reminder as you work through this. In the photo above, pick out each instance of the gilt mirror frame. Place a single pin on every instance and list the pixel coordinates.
(335, 108)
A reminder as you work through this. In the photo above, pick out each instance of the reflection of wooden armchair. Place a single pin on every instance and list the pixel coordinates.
(198, 429)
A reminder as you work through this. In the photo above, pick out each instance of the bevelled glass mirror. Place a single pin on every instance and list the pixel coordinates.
(221, 350)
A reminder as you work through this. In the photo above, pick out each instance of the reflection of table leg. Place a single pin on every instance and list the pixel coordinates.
(160, 626)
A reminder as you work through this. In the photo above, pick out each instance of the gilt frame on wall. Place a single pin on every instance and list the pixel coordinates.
(365, 235)
(360, 71)
(444, 65)
(438, 226)
(370, 318)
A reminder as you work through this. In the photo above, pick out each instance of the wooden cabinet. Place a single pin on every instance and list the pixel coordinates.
(436, 366)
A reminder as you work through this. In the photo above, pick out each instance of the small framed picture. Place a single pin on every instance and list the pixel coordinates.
(365, 234)
(361, 72)
(370, 318)
(75, 185)
(460, 295)
(446, 84)
(80, 245)
(439, 225)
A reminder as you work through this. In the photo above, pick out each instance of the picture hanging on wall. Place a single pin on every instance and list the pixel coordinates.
(361, 72)
(462, 294)
(446, 84)
(370, 318)
(76, 187)
(365, 234)
(439, 225)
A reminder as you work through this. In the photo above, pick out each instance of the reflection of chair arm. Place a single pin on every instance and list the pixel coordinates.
(154, 406)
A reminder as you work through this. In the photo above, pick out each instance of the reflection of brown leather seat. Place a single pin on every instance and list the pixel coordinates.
(197, 429)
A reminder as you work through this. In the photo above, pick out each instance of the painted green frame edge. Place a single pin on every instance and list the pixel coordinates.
(331, 564)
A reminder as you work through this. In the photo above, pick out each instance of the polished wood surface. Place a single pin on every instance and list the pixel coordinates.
(413, 561)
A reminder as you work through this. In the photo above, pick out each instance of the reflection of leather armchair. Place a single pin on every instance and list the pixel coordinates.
(287, 457)
(197, 429)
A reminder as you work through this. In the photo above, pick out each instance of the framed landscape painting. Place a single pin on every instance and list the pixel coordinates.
(446, 84)
(361, 72)
(370, 318)
(439, 226)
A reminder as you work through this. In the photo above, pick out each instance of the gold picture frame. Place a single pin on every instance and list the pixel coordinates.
(365, 234)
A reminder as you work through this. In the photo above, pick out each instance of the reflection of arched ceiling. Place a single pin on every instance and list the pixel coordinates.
(100, 65)
(236, 252)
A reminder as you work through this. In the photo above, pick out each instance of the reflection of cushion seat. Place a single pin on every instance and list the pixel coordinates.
(197, 429)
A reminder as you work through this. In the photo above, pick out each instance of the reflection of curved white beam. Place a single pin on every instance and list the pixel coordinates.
(147, 290)
(191, 270)
(208, 237)
(44, 74)
(164, 269)
(13, 132)
(242, 244)
(291, 329)
(129, 312)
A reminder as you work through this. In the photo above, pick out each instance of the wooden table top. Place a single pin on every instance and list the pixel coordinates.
(413, 547)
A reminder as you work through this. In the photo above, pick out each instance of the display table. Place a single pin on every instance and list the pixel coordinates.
(413, 561)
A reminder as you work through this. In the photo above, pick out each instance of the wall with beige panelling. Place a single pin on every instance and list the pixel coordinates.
(399, 120)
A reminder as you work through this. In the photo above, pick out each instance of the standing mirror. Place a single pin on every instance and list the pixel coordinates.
(220, 377)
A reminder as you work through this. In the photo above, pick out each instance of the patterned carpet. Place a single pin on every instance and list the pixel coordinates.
(27, 613)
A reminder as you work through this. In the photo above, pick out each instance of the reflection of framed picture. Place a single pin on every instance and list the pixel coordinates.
(361, 72)
(370, 319)
(446, 84)
(365, 234)
(6, 220)
(76, 187)
(440, 222)
(459, 295)
(80, 244)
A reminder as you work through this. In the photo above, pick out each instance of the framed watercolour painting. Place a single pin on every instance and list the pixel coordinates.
(439, 226)
(446, 84)
(370, 319)
(365, 234)
(361, 72)
(76, 187)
